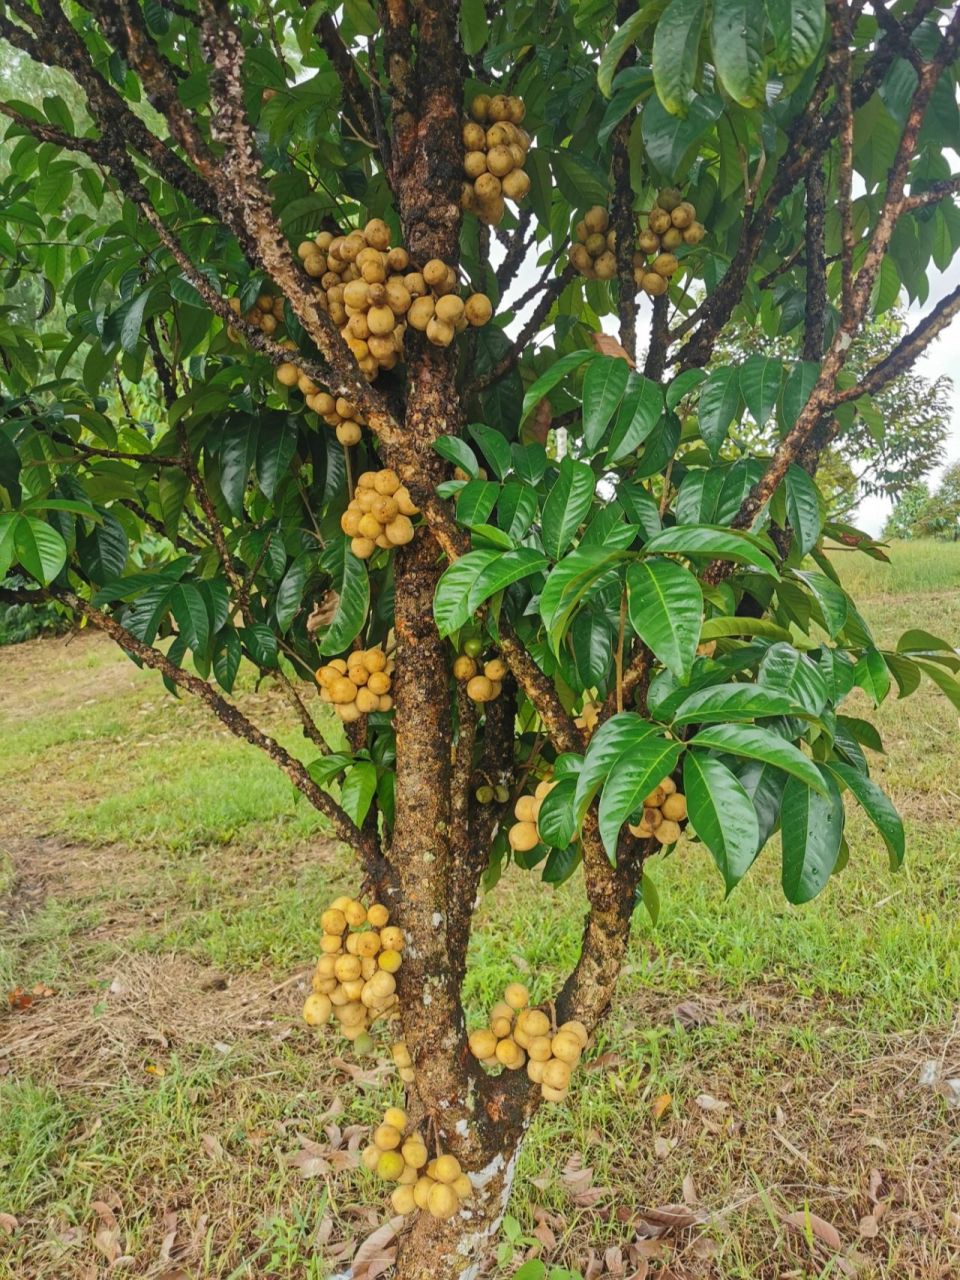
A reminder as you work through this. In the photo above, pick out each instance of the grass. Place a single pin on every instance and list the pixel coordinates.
(161, 879)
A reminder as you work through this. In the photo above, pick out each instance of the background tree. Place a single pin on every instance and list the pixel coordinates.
(882, 447)
(922, 514)
(662, 633)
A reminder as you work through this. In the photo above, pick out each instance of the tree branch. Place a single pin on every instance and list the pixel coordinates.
(527, 333)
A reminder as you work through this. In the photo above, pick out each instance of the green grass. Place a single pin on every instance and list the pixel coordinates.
(164, 882)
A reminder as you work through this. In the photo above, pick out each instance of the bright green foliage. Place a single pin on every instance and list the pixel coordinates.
(593, 542)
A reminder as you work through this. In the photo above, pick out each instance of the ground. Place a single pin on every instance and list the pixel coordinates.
(163, 1111)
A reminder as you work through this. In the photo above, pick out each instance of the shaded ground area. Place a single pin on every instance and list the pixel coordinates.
(163, 1112)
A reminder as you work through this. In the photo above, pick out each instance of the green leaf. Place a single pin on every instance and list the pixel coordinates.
(290, 592)
(173, 486)
(650, 898)
(755, 743)
(946, 683)
(103, 551)
(759, 380)
(517, 508)
(557, 819)
(566, 506)
(474, 28)
(736, 36)
(671, 141)
(352, 585)
(878, 807)
(803, 508)
(226, 658)
(724, 703)
(708, 540)
(872, 676)
(786, 669)
(722, 814)
(833, 602)
(798, 27)
(682, 386)
(676, 53)
(276, 447)
(569, 581)
(634, 775)
(796, 391)
(764, 785)
(547, 381)
(508, 567)
(451, 599)
(666, 611)
(561, 864)
(494, 445)
(718, 628)
(811, 829)
(603, 386)
(357, 790)
(719, 406)
(238, 449)
(476, 501)
(39, 548)
(616, 48)
(621, 733)
(262, 644)
(639, 414)
(190, 612)
(917, 641)
(8, 526)
(459, 453)
(133, 320)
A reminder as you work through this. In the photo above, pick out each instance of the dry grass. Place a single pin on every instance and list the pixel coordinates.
(159, 1108)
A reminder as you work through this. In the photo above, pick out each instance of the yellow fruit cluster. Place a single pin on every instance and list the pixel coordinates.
(439, 1186)
(495, 151)
(403, 1062)
(523, 835)
(371, 295)
(663, 811)
(482, 686)
(594, 252)
(353, 980)
(359, 685)
(670, 223)
(518, 1035)
(266, 315)
(378, 514)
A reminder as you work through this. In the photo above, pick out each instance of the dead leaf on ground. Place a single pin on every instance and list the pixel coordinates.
(663, 1146)
(689, 1014)
(360, 1075)
(546, 1237)
(690, 1190)
(667, 1220)
(606, 1062)
(378, 1252)
(212, 1146)
(609, 346)
(804, 1222)
(707, 1102)
(613, 1261)
(107, 1237)
(661, 1105)
(8, 1223)
(869, 1228)
(577, 1177)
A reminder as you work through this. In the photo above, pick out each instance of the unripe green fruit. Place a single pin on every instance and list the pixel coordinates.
(485, 795)
(473, 647)
(502, 794)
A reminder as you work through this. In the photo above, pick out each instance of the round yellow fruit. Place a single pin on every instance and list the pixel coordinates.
(675, 807)
(414, 1153)
(401, 1198)
(509, 1054)
(316, 1010)
(501, 1020)
(480, 689)
(522, 836)
(371, 1157)
(446, 1169)
(667, 832)
(442, 1201)
(516, 996)
(390, 1165)
(396, 1117)
(526, 809)
(556, 1074)
(421, 1191)
(566, 1048)
(463, 1187)
(483, 1043)
(387, 1137)
(653, 284)
(478, 309)
(535, 1022)
(390, 960)
(577, 1029)
(464, 668)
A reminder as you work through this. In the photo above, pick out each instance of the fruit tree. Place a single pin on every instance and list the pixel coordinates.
(369, 345)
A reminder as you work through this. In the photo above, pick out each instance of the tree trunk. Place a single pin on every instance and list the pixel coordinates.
(456, 1249)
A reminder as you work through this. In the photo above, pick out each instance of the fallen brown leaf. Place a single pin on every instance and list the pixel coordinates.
(706, 1102)
(690, 1190)
(689, 1014)
(606, 1062)
(661, 1105)
(378, 1252)
(667, 1220)
(8, 1223)
(869, 1228)
(803, 1221)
